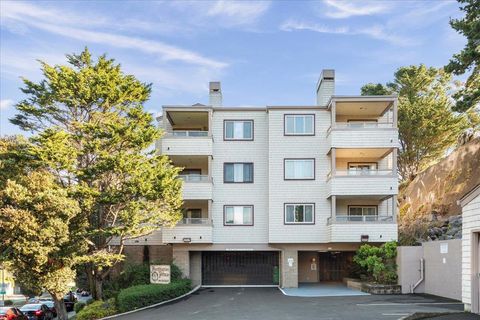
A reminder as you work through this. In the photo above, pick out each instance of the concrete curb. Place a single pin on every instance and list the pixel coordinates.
(153, 305)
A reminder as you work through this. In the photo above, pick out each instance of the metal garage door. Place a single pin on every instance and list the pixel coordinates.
(239, 268)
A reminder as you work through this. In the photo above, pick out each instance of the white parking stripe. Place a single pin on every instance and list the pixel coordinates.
(407, 304)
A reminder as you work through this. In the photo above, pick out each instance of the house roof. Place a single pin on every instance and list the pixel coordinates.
(470, 195)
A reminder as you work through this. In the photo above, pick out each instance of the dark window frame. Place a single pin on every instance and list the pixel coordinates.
(298, 134)
(298, 203)
(224, 172)
(240, 120)
(362, 206)
(285, 169)
(362, 162)
(238, 225)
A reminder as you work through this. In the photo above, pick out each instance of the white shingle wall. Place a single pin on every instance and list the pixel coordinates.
(185, 145)
(311, 191)
(470, 221)
(353, 232)
(256, 193)
(364, 138)
(363, 185)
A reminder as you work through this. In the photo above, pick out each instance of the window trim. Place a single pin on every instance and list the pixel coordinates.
(362, 120)
(285, 169)
(297, 134)
(362, 206)
(238, 225)
(233, 139)
(298, 203)
(253, 172)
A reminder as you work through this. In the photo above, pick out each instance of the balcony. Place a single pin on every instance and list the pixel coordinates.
(363, 122)
(196, 186)
(362, 219)
(194, 227)
(186, 143)
(362, 172)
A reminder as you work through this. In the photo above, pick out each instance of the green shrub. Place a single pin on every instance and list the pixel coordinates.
(175, 272)
(79, 306)
(145, 295)
(379, 262)
(97, 310)
(8, 303)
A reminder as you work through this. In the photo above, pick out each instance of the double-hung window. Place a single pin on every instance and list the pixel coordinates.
(238, 215)
(238, 129)
(362, 213)
(299, 124)
(299, 213)
(299, 169)
(238, 172)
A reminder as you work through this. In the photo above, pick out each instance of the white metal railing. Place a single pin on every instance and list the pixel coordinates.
(362, 219)
(194, 177)
(364, 172)
(189, 133)
(195, 221)
(363, 125)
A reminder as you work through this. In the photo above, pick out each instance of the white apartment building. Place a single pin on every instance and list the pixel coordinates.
(280, 195)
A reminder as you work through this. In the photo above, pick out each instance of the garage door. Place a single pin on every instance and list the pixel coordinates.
(240, 268)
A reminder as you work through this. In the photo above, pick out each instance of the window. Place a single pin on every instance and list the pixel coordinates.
(238, 215)
(362, 168)
(299, 124)
(299, 169)
(362, 213)
(301, 213)
(238, 172)
(238, 130)
(359, 123)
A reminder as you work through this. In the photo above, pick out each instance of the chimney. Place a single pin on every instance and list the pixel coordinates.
(325, 86)
(215, 94)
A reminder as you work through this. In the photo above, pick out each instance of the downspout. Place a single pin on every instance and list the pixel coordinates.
(422, 271)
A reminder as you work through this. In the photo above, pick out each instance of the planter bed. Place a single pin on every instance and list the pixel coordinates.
(375, 288)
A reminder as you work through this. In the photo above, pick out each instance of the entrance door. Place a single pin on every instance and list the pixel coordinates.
(240, 268)
(334, 266)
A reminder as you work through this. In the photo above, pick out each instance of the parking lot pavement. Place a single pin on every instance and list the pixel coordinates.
(271, 304)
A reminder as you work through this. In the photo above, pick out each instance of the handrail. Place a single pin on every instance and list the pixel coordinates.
(363, 125)
(188, 133)
(361, 219)
(363, 172)
(194, 177)
(189, 221)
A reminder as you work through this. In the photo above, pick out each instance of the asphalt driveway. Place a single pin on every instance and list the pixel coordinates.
(271, 304)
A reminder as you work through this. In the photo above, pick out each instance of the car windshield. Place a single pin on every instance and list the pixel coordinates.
(49, 303)
(29, 307)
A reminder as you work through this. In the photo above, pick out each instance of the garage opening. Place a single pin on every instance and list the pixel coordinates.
(240, 268)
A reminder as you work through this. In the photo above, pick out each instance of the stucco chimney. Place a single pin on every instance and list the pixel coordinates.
(325, 86)
(215, 94)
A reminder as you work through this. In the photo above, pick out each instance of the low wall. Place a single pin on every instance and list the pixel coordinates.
(443, 268)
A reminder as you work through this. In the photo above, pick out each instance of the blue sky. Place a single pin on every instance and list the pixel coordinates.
(264, 53)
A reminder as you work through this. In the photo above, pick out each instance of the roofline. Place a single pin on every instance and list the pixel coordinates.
(360, 98)
(469, 196)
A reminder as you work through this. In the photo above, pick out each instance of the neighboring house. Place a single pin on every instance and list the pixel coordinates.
(471, 250)
(281, 194)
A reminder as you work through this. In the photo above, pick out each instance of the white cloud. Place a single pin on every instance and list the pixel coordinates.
(43, 19)
(376, 32)
(238, 12)
(6, 103)
(339, 9)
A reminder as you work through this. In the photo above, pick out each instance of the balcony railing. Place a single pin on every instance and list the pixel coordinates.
(189, 133)
(360, 219)
(195, 221)
(363, 125)
(364, 172)
(194, 177)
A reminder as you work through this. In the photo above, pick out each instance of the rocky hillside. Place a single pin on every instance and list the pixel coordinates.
(428, 205)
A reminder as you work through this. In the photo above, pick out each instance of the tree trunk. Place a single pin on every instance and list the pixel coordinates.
(91, 280)
(98, 286)
(59, 306)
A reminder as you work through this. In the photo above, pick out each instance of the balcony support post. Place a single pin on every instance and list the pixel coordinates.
(333, 113)
(210, 122)
(333, 156)
(209, 167)
(394, 162)
(209, 210)
(395, 110)
(394, 208)
(333, 199)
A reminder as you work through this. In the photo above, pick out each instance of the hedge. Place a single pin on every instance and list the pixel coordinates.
(144, 295)
(97, 310)
(79, 306)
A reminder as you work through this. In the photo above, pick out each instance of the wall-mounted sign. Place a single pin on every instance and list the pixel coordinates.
(290, 262)
(313, 266)
(443, 247)
(160, 274)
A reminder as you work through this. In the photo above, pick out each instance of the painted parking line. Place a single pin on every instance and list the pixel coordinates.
(395, 314)
(407, 304)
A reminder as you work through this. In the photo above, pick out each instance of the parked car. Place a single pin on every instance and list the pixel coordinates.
(37, 311)
(11, 313)
(51, 305)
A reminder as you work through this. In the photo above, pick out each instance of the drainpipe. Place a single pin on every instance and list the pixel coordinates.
(422, 271)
